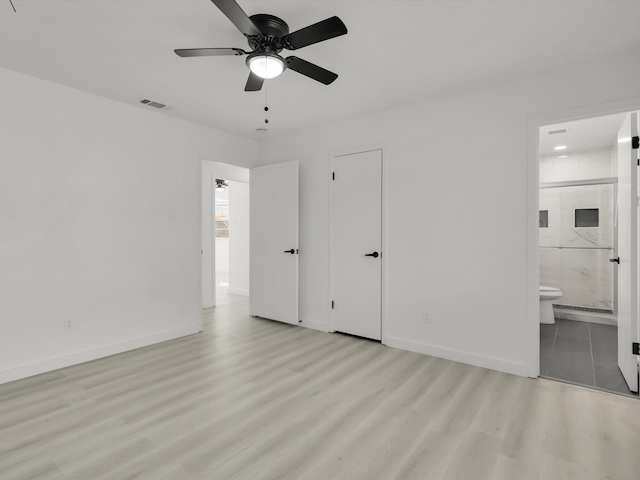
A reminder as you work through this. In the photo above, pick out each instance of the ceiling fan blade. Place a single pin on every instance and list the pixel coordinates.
(254, 83)
(310, 70)
(237, 16)
(318, 32)
(208, 52)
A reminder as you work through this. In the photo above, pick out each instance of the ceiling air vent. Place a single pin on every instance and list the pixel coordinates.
(151, 103)
(556, 132)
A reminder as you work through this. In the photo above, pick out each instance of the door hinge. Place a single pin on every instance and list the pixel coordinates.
(635, 142)
(333, 176)
(331, 304)
(636, 348)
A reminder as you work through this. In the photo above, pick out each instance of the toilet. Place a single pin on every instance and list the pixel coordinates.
(547, 296)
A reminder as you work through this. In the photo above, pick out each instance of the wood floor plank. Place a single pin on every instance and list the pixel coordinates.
(475, 458)
(430, 456)
(507, 467)
(250, 398)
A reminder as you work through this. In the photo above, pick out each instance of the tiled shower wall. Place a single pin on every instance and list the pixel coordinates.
(581, 268)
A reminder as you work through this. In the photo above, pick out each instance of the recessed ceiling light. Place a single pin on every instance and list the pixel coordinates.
(563, 156)
(261, 130)
(560, 147)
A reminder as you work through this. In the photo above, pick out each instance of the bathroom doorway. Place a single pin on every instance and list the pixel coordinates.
(582, 196)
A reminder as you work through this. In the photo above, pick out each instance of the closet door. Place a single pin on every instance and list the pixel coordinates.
(357, 244)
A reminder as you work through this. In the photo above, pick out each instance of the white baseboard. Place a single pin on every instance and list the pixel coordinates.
(75, 358)
(237, 291)
(321, 326)
(457, 356)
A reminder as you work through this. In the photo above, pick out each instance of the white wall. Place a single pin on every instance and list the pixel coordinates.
(225, 171)
(239, 238)
(457, 204)
(99, 224)
(222, 255)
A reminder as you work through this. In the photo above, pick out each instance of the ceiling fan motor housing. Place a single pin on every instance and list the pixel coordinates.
(272, 28)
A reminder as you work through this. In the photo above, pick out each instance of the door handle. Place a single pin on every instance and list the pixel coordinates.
(615, 260)
(374, 254)
(292, 251)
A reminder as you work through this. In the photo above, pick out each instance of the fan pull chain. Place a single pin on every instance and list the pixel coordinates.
(266, 101)
(12, 6)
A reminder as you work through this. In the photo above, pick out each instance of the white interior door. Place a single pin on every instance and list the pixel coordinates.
(274, 242)
(628, 251)
(357, 244)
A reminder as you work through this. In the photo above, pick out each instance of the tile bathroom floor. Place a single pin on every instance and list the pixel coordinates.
(582, 353)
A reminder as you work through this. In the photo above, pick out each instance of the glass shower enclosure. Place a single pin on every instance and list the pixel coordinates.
(577, 243)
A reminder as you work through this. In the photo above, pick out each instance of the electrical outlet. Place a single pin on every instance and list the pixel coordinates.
(68, 325)
(427, 318)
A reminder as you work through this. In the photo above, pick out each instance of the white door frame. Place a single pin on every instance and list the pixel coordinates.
(200, 246)
(384, 150)
(211, 244)
(533, 175)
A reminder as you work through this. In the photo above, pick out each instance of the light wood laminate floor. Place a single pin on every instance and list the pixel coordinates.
(254, 399)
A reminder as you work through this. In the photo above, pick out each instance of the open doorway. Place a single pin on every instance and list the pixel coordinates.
(225, 233)
(221, 233)
(231, 232)
(588, 225)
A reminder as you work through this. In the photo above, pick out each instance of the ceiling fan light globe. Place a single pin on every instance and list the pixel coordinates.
(266, 66)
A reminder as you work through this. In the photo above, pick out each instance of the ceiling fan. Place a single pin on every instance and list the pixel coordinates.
(267, 36)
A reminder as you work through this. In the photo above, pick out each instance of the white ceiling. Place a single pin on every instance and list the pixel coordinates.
(396, 52)
(581, 135)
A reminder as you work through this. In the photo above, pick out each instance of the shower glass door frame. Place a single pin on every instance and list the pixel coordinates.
(614, 248)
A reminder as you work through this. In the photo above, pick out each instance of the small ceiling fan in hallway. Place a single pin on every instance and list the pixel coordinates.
(267, 36)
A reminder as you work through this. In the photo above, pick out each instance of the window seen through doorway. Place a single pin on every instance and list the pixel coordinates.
(222, 217)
